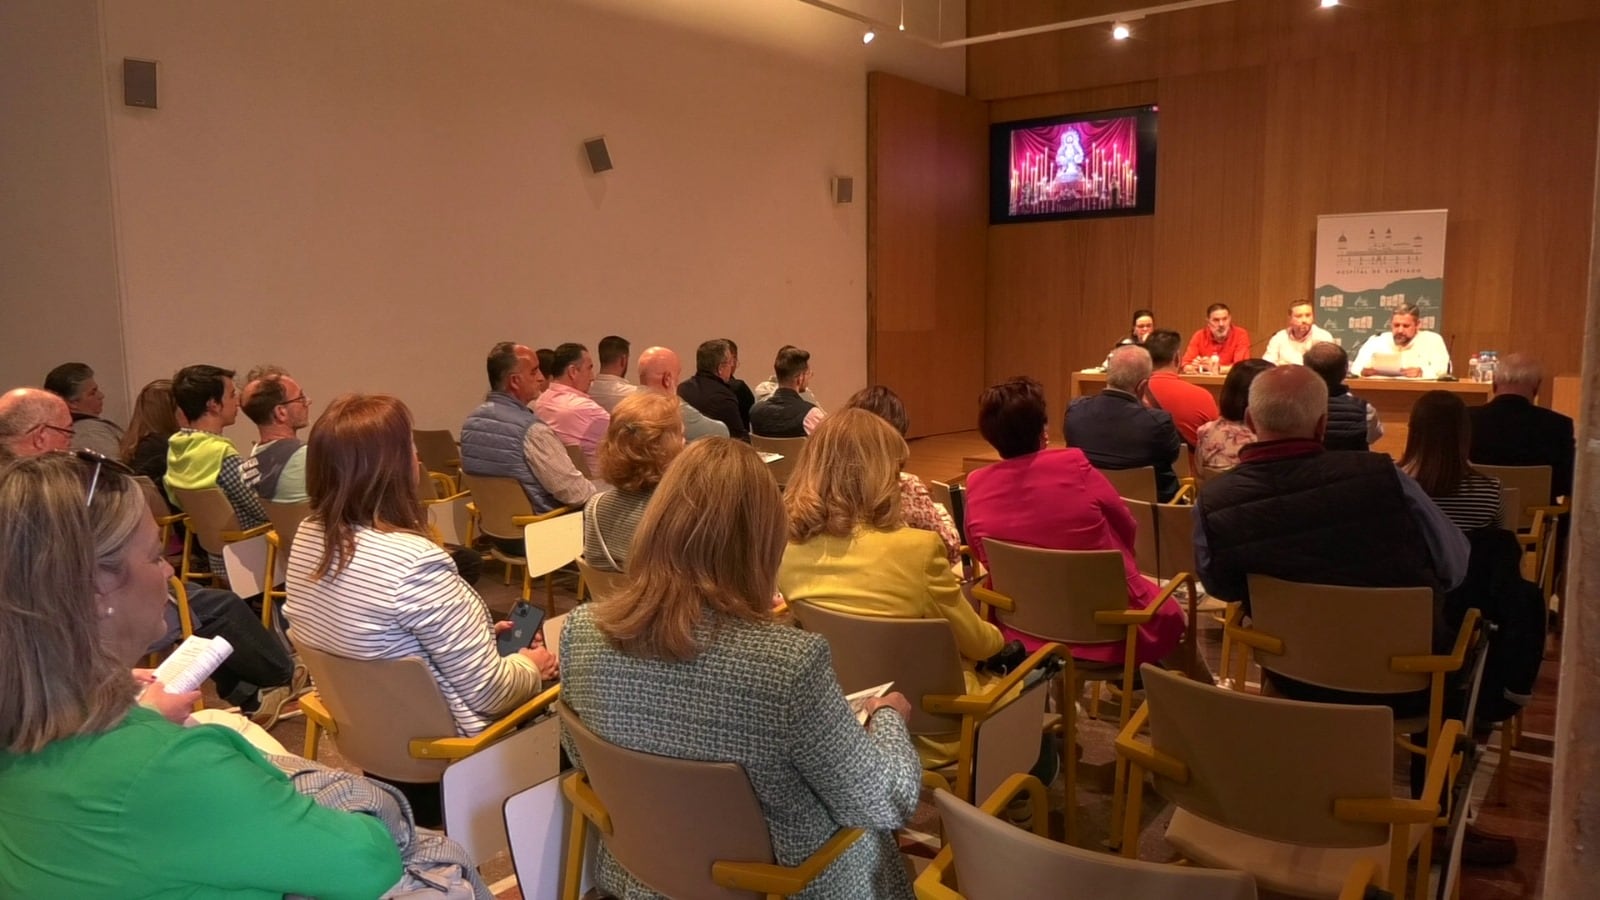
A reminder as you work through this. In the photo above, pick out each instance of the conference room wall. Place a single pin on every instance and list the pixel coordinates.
(1273, 113)
(372, 193)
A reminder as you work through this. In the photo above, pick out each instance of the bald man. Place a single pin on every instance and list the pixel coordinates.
(659, 370)
(33, 421)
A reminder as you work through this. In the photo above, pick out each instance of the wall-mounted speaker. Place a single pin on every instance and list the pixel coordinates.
(844, 190)
(139, 83)
(599, 156)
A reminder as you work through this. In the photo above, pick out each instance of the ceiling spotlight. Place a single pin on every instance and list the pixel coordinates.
(1120, 32)
(902, 15)
(1329, 4)
(867, 38)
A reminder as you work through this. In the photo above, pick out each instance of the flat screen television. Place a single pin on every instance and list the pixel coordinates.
(1079, 166)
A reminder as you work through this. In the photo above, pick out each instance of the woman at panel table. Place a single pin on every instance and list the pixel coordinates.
(693, 631)
(1056, 500)
(100, 797)
(1144, 322)
(644, 437)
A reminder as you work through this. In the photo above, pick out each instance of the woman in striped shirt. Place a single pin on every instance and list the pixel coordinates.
(1436, 456)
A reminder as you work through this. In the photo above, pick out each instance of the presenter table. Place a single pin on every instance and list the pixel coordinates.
(1393, 398)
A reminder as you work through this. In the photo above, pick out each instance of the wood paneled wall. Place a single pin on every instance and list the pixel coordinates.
(927, 205)
(1273, 112)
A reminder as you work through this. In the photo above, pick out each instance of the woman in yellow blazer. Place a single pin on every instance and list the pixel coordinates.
(849, 549)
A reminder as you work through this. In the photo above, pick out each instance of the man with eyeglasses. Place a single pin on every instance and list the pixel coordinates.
(33, 421)
(280, 409)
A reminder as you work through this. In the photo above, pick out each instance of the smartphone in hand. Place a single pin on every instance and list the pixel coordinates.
(526, 620)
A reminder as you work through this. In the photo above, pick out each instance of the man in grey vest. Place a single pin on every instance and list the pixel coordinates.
(280, 409)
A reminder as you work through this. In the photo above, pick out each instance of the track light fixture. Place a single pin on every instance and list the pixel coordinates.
(867, 38)
(1120, 31)
(1329, 4)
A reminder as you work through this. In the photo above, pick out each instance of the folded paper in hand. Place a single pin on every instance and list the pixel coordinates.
(858, 700)
(192, 663)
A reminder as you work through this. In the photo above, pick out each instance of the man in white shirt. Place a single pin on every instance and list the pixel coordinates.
(611, 385)
(659, 370)
(1288, 347)
(1404, 351)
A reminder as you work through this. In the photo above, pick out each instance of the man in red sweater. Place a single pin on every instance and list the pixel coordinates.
(1220, 338)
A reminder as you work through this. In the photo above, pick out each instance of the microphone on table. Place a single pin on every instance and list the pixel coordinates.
(1449, 360)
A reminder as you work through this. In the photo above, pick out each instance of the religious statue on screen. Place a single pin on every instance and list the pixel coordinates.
(1069, 158)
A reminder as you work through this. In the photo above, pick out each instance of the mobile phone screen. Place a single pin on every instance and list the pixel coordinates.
(525, 621)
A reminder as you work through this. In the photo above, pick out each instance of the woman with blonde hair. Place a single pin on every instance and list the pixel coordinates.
(98, 794)
(850, 550)
(693, 630)
(645, 435)
(916, 504)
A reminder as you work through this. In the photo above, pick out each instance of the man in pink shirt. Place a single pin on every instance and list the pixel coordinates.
(1220, 338)
(567, 407)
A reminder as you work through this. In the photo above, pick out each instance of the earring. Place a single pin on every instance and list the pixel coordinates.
(110, 610)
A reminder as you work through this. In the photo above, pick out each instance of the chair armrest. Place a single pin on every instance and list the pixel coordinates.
(1145, 756)
(1250, 637)
(1185, 493)
(444, 484)
(1421, 811)
(520, 521)
(460, 747)
(449, 499)
(273, 540)
(768, 878)
(1017, 784)
(1437, 663)
(164, 521)
(930, 884)
(1125, 616)
(984, 702)
(229, 537)
(991, 597)
(311, 705)
(583, 798)
(1362, 875)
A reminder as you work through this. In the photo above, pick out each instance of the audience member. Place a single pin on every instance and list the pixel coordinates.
(1293, 511)
(74, 382)
(694, 631)
(1403, 350)
(153, 423)
(916, 504)
(503, 438)
(850, 550)
(786, 413)
(545, 371)
(1191, 405)
(1221, 440)
(709, 392)
(1437, 441)
(280, 409)
(1116, 431)
(1511, 430)
(1288, 347)
(659, 371)
(199, 457)
(102, 793)
(1221, 339)
(645, 436)
(1055, 499)
(567, 407)
(741, 391)
(1352, 422)
(611, 385)
(33, 421)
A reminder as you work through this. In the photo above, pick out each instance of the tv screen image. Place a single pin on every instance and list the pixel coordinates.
(1091, 164)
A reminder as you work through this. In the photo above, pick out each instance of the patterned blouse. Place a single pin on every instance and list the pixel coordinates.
(921, 512)
(1219, 441)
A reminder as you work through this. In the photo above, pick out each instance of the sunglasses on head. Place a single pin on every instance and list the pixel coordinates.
(99, 461)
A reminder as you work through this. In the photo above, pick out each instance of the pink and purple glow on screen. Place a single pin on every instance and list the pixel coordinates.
(1075, 166)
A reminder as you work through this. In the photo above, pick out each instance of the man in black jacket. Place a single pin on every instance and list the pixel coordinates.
(1511, 431)
(1117, 431)
(708, 390)
(1352, 422)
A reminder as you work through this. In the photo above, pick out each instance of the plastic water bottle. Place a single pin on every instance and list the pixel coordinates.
(1472, 369)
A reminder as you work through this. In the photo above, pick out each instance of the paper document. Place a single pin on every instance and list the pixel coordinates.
(192, 663)
(858, 700)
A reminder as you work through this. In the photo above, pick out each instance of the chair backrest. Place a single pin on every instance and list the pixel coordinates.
(1146, 546)
(918, 655)
(789, 447)
(671, 819)
(600, 584)
(1175, 539)
(1343, 637)
(474, 789)
(210, 514)
(379, 705)
(498, 501)
(159, 507)
(1511, 506)
(953, 494)
(438, 450)
(1057, 592)
(995, 860)
(1270, 767)
(1203, 474)
(286, 519)
(1533, 482)
(552, 543)
(1134, 484)
(579, 461)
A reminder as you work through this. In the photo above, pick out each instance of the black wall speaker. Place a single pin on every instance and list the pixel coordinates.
(844, 190)
(599, 156)
(139, 83)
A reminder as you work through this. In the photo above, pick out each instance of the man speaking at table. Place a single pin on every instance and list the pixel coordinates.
(1404, 351)
(1220, 338)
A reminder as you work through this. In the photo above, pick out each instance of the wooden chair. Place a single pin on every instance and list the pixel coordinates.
(474, 789)
(1133, 484)
(600, 584)
(995, 860)
(166, 517)
(537, 830)
(920, 657)
(1297, 794)
(1532, 483)
(789, 448)
(439, 451)
(500, 510)
(446, 506)
(686, 828)
(550, 542)
(214, 525)
(285, 519)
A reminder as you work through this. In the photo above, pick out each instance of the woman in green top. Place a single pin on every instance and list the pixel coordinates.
(100, 797)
